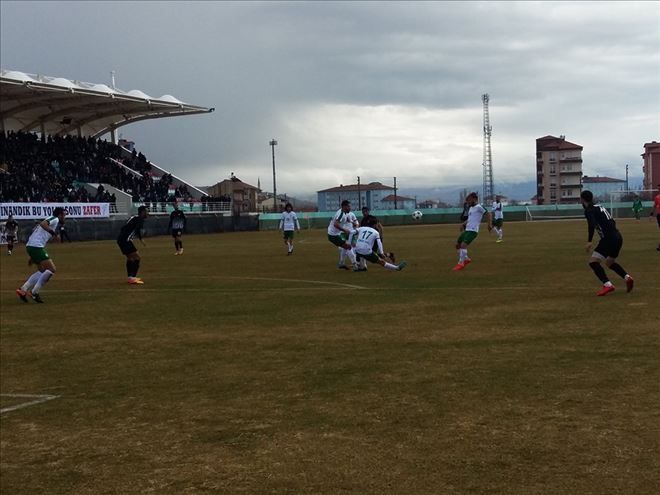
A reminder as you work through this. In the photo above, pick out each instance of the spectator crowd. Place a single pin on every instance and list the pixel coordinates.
(52, 168)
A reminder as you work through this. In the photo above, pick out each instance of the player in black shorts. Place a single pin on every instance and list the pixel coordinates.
(131, 229)
(609, 246)
(11, 229)
(176, 226)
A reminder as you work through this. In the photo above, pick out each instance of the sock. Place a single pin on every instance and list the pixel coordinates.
(351, 256)
(618, 269)
(129, 268)
(462, 255)
(599, 271)
(45, 277)
(31, 281)
(342, 256)
(289, 246)
(390, 266)
(136, 267)
(10, 246)
(363, 263)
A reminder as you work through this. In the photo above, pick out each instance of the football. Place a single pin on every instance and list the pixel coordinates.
(417, 215)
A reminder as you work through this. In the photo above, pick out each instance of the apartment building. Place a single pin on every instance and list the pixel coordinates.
(558, 170)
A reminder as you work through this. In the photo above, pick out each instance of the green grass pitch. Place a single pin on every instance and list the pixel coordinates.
(237, 369)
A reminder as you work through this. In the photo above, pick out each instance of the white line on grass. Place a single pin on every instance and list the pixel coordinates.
(216, 277)
(38, 400)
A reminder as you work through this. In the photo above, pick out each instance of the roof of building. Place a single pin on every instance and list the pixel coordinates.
(598, 179)
(238, 184)
(550, 143)
(372, 186)
(392, 197)
(59, 106)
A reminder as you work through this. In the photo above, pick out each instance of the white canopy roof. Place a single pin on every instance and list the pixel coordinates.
(58, 106)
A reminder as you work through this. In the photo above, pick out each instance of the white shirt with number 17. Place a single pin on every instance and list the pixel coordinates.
(289, 221)
(368, 241)
(475, 215)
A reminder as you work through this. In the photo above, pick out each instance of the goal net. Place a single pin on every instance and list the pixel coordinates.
(621, 203)
(553, 212)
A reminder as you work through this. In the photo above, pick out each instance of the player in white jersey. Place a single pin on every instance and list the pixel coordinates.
(342, 224)
(369, 247)
(36, 249)
(475, 215)
(498, 214)
(289, 223)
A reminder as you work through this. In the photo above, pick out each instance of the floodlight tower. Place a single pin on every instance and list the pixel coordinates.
(488, 161)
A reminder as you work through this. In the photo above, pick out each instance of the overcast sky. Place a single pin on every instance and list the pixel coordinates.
(370, 89)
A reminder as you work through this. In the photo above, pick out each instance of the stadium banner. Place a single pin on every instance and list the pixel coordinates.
(36, 211)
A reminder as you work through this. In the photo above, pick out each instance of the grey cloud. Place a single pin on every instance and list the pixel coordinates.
(558, 67)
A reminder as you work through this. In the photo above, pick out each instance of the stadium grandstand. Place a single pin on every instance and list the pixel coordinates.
(52, 147)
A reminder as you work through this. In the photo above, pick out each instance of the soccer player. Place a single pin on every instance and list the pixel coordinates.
(289, 223)
(365, 215)
(342, 224)
(131, 229)
(609, 247)
(499, 217)
(36, 249)
(369, 247)
(471, 225)
(176, 226)
(656, 211)
(11, 230)
(637, 207)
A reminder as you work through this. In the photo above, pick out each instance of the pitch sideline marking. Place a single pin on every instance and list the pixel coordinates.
(319, 282)
(38, 400)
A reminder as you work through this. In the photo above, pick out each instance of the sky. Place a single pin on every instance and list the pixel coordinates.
(365, 89)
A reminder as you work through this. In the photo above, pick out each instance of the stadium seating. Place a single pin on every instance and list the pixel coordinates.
(55, 168)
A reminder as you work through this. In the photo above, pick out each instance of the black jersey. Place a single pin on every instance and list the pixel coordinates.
(600, 220)
(177, 220)
(11, 227)
(131, 229)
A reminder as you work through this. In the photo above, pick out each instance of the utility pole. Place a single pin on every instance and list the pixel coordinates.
(395, 205)
(488, 161)
(627, 188)
(359, 195)
(273, 143)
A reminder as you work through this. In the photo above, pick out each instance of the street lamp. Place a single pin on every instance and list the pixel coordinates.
(273, 143)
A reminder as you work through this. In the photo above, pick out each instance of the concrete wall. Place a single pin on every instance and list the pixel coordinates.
(88, 229)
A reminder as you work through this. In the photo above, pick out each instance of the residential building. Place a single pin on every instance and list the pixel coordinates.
(370, 195)
(558, 170)
(393, 202)
(601, 187)
(243, 196)
(651, 158)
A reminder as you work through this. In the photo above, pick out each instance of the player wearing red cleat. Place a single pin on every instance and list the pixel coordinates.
(470, 229)
(609, 247)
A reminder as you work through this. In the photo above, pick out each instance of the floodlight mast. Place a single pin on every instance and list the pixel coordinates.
(487, 160)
